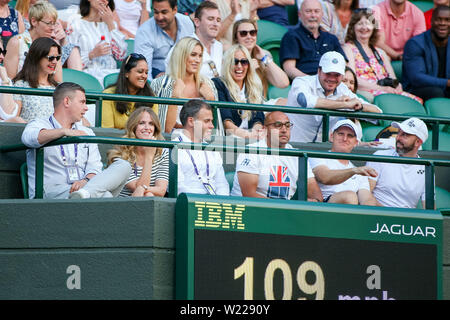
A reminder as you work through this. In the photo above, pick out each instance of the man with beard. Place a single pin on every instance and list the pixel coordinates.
(272, 176)
(158, 35)
(426, 59)
(302, 47)
(401, 185)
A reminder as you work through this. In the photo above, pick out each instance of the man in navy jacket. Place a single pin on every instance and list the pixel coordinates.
(426, 59)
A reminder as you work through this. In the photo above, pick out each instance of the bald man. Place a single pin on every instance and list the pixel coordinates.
(272, 176)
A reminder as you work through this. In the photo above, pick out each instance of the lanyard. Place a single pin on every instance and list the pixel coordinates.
(195, 166)
(62, 149)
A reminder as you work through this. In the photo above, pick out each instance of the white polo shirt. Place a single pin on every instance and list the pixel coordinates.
(304, 93)
(355, 183)
(277, 175)
(398, 185)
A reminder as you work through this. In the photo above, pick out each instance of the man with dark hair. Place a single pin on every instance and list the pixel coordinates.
(426, 59)
(71, 170)
(199, 171)
(158, 35)
(207, 23)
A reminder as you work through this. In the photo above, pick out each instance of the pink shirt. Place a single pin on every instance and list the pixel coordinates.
(399, 30)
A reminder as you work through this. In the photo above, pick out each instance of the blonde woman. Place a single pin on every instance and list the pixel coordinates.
(182, 80)
(150, 166)
(240, 83)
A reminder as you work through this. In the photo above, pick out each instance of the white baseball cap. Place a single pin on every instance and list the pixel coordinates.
(332, 61)
(413, 126)
(351, 125)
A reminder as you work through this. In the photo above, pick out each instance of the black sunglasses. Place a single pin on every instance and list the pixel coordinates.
(243, 62)
(135, 56)
(365, 10)
(51, 58)
(253, 33)
(3, 51)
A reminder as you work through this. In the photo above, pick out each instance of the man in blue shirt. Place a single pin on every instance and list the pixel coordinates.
(158, 35)
(302, 47)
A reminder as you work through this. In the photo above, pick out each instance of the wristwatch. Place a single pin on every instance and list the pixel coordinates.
(266, 60)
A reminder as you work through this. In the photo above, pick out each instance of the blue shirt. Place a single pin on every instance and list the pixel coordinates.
(300, 44)
(154, 43)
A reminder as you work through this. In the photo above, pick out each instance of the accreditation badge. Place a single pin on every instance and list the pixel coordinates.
(73, 174)
(209, 188)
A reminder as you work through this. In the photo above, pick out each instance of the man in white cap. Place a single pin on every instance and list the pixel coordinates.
(324, 90)
(401, 185)
(339, 180)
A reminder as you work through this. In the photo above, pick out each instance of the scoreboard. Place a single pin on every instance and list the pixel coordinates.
(241, 248)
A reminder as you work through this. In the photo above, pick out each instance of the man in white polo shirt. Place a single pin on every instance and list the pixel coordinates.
(401, 185)
(272, 176)
(324, 90)
(207, 23)
(339, 180)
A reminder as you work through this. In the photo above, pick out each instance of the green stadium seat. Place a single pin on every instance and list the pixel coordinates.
(370, 132)
(24, 179)
(274, 92)
(397, 66)
(269, 32)
(423, 5)
(110, 79)
(398, 104)
(444, 141)
(439, 107)
(84, 79)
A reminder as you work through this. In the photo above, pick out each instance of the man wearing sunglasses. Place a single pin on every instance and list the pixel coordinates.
(272, 176)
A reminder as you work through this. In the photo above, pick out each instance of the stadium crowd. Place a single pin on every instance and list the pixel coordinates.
(339, 56)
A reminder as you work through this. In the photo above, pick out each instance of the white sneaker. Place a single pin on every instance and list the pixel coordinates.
(80, 194)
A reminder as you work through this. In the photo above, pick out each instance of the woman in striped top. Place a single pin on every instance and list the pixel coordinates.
(150, 174)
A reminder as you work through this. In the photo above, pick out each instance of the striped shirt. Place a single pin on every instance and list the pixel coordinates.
(160, 171)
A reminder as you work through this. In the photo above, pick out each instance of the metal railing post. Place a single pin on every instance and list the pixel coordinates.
(429, 186)
(302, 181)
(39, 174)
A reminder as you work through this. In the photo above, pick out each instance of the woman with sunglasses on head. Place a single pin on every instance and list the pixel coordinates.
(11, 22)
(240, 83)
(98, 37)
(371, 64)
(132, 80)
(8, 108)
(183, 81)
(38, 71)
(150, 166)
(43, 19)
(245, 33)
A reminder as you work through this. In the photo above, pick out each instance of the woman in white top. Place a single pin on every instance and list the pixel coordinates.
(150, 166)
(130, 15)
(97, 22)
(44, 22)
(38, 72)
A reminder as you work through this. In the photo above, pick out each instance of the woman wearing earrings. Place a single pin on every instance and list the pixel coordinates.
(132, 80)
(240, 83)
(150, 166)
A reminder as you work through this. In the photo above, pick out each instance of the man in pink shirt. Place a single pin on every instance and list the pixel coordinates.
(398, 21)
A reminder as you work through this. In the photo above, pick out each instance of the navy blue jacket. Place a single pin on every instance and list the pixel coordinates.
(420, 63)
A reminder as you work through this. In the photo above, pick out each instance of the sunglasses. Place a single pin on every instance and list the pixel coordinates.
(253, 33)
(279, 124)
(3, 51)
(135, 56)
(51, 58)
(243, 62)
(365, 10)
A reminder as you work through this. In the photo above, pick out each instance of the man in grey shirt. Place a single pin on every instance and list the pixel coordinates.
(158, 35)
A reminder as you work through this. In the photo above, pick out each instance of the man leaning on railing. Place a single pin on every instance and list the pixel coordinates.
(72, 170)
